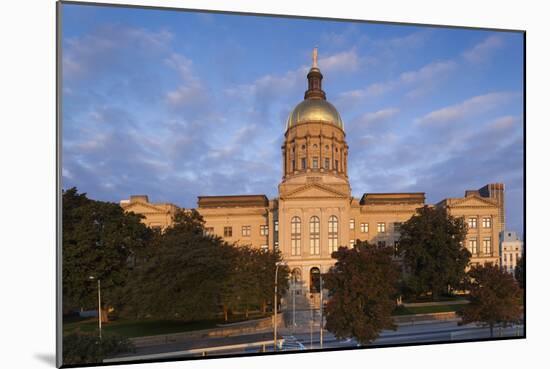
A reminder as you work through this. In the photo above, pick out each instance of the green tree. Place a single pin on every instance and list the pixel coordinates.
(519, 271)
(495, 297)
(251, 279)
(362, 290)
(81, 349)
(99, 238)
(431, 244)
(181, 275)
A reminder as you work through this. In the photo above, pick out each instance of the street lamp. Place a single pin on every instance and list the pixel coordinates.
(98, 302)
(277, 265)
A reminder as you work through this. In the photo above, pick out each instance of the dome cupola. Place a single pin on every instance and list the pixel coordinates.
(315, 107)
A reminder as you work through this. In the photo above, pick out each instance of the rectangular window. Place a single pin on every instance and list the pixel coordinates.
(276, 226)
(245, 230)
(336, 165)
(228, 231)
(276, 245)
(487, 246)
(209, 231)
(351, 243)
(352, 224)
(504, 258)
(293, 165)
(264, 247)
(381, 227)
(264, 230)
(327, 163)
(472, 223)
(315, 163)
(472, 245)
(365, 227)
(486, 222)
(314, 236)
(304, 163)
(333, 234)
(295, 236)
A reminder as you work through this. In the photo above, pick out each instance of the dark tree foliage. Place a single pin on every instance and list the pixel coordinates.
(189, 275)
(362, 289)
(495, 297)
(99, 238)
(181, 275)
(432, 250)
(81, 349)
(250, 282)
(519, 272)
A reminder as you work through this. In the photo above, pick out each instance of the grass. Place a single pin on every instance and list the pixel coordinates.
(402, 310)
(140, 328)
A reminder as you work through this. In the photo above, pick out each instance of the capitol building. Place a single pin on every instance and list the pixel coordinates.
(315, 212)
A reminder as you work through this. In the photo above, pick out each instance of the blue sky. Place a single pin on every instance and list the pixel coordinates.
(178, 104)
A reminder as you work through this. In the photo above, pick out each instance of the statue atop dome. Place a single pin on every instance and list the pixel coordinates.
(314, 57)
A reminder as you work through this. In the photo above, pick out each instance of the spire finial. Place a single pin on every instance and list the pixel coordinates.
(314, 57)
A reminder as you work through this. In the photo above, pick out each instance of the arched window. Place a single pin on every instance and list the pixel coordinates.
(333, 233)
(314, 235)
(314, 280)
(295, 235)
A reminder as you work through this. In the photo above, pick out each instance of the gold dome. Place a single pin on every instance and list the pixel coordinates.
(314, 110)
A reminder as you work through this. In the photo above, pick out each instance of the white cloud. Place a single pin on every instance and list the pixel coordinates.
(377, 116)
(428, 74)
(191, 92)
(469, 107)
(483, 50)
(344, 61)
(83, 55)
(504, 122)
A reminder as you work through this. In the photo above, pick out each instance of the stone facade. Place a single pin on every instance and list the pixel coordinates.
(156, 215)
(511, 249)
(315, 211)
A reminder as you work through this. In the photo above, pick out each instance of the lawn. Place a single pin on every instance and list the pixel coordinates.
(139, 328)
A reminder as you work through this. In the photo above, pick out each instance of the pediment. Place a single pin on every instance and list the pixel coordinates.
(140, 208)
(314, 190)
(474, 201)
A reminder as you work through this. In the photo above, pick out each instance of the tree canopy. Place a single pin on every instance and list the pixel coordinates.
(98, 240)
(362, 290)
(495, 297)
(431, 244)
(519, 271)
(179, 273)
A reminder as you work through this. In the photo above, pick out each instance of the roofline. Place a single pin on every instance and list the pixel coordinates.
(226, 196)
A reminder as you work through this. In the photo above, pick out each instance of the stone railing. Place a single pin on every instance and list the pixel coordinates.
(223, 330)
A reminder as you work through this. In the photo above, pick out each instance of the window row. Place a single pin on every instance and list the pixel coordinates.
(487, 248)
(246, 231)
(485, 222)
(380, 226)
(315, 164)
(314, 235)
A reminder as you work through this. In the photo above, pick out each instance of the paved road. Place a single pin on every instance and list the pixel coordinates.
(436, 331)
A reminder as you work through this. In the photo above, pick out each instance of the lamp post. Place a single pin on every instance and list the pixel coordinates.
(277, 265)
(98, 302)
(321, 309)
